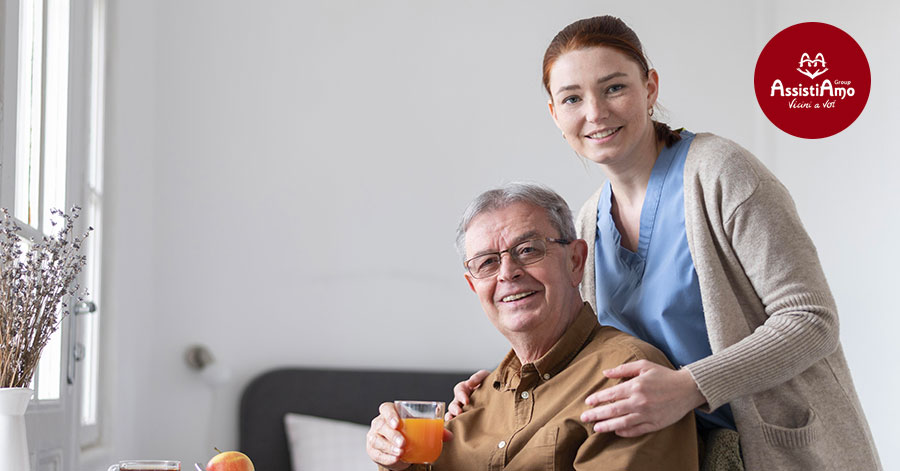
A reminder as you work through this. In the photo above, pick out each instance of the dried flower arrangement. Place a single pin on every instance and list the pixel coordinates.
(32, 293)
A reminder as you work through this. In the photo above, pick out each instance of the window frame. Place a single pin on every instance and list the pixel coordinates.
(83, 141)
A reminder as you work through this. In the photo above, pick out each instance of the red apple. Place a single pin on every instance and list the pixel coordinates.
(230, 461)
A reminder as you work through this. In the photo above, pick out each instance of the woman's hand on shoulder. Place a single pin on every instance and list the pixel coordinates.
(462, 392)
(653, 398)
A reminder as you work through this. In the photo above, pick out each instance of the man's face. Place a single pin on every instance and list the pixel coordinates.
(530, 299)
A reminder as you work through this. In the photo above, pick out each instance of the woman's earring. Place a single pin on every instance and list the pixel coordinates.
(564, 136)
(650, 111)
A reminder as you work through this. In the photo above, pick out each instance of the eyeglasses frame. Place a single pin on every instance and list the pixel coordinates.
(513, 257)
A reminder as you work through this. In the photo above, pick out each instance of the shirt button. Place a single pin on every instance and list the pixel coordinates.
(546, 375)
(501, 444)
(524, 394)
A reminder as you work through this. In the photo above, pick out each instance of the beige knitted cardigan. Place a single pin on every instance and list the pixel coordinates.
(772, 321)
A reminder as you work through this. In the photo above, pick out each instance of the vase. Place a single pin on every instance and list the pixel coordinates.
(13, 441)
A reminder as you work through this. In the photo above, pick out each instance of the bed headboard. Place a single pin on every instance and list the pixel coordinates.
(349, 395)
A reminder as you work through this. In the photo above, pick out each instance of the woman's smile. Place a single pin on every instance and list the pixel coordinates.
(604, 135)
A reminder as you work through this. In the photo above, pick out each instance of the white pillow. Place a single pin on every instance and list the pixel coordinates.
(317, 444)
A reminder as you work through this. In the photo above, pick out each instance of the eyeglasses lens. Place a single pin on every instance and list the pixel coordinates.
(523, 253)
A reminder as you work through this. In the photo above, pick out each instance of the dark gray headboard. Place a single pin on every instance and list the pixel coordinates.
(350, 395)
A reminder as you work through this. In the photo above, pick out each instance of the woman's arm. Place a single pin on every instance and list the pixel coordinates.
(766, 265)
(794, 322)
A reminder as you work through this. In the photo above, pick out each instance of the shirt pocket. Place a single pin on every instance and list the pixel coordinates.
(540, 452)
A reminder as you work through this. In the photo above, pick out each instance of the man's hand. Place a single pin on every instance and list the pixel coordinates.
(654, 398)
(462, 391)
(384, 442)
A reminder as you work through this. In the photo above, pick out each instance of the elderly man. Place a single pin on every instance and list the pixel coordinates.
(523, 261)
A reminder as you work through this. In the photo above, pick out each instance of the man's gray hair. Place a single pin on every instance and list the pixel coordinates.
(518, 192)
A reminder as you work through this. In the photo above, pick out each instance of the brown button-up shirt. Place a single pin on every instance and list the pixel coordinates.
(526, 417)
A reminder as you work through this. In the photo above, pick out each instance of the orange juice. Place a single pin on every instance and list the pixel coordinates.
(423, 439)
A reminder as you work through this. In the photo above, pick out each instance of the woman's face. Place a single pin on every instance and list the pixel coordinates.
(600, 101)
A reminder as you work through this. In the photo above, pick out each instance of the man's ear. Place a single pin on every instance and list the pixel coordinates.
(469, 280)
(579, 256)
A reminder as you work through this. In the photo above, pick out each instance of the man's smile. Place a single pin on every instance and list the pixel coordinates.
(517, 296)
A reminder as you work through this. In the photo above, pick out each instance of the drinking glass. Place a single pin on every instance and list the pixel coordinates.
(146, 465)
(422, 424)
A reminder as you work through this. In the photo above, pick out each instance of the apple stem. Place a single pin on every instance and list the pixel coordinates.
(217, 450)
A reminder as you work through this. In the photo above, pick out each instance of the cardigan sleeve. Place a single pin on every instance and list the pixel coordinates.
(586, 228)
(786, 319)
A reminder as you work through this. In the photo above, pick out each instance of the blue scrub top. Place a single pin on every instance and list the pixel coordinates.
(654, 293)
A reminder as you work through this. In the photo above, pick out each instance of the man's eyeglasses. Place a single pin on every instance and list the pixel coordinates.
(524, 253)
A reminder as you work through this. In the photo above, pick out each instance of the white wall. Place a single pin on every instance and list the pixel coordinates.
(284, 181)
(846, 191)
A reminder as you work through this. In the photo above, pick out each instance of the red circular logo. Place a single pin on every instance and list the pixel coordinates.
(812, 80)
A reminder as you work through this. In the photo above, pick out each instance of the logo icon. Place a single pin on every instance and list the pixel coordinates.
(804, 59)
(824, 98)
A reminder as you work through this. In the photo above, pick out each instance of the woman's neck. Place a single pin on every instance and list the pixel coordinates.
(628, 177)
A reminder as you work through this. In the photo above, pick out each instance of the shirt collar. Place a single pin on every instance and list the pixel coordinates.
(511, 372)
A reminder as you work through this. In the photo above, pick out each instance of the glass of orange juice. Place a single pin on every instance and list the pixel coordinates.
(422, 424)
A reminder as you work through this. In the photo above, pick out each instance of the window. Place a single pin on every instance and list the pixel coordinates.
(41, 142)
(88, 343)
(51, 120)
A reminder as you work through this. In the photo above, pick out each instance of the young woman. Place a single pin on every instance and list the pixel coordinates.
(696, 248)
